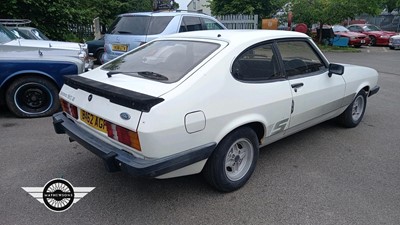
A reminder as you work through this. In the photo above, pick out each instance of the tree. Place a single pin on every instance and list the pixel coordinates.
(253, 7)
(331, 11)
(390, 5)
(55, 17)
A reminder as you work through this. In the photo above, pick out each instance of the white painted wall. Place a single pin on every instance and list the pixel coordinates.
(199, 6)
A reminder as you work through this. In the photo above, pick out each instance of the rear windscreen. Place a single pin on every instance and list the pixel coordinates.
(139, 25)
(163, 61)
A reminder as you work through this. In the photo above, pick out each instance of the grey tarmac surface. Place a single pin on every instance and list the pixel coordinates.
(323, 175)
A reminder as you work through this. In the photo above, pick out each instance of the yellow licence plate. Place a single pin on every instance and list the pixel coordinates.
(93, 121)
(119, 48)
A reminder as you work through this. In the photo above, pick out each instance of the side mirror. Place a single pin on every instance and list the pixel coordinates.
(335, 69)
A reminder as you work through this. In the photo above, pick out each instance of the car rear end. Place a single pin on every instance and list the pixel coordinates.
(359, 40)
(394, 42)
(131, 30)
(103, 109)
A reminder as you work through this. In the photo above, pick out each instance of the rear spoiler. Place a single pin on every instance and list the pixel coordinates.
(117, 95)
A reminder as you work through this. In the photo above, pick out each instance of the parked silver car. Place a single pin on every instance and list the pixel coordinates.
(30, 80)
(394, 42)
(130, 30)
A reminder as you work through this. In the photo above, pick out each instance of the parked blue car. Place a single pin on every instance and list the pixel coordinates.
(30, 82)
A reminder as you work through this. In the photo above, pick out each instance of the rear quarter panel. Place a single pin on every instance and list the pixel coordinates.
(226, 103)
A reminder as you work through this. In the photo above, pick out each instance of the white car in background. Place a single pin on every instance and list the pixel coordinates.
(394, 42)
(9, 41)
(207, 101)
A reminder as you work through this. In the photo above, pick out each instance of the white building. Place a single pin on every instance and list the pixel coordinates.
(200, 6)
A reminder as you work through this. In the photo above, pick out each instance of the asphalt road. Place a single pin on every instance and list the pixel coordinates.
(323, 175)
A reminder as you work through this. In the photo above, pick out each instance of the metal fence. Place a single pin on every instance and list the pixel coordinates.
(230, 21)
(239, 21)
(81, 31)
(387, 22)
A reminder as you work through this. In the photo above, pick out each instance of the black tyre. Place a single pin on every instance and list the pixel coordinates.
(354, 113)
(233, 161)
(99, 55)
(373, 40)
(32, 97)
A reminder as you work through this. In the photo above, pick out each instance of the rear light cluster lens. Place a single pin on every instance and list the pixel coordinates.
(123, 135)
(69, 108)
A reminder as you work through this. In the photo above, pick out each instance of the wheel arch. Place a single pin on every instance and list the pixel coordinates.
(98, 50)
(363, 87)
(258, 125)
(10, 79)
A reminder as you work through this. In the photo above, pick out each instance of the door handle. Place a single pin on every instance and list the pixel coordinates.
(297, 85)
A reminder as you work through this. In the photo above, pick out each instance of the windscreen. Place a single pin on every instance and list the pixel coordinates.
(163, 61)
(39, 34)
(6, 35)
(337, 28)
(371, 28)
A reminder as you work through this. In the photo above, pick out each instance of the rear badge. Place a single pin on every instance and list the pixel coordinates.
(90, 97)
(125, 116)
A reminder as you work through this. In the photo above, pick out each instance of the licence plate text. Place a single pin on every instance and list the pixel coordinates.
(119, 48)
(93, 121)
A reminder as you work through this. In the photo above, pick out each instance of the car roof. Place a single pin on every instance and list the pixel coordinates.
(237, 35)
(362, 24)
(164, 13)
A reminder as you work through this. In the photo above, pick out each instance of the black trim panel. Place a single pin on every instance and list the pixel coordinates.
(116, 159)
(374, 90)
(120, 96)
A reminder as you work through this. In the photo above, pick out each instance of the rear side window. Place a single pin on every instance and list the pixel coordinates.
(163, 61)
(256, 64)
(211, 24)
(140, 25)
(355, 28)
(190, 23)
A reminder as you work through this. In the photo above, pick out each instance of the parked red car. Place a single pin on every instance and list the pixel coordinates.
(377, 36)
(355, 39)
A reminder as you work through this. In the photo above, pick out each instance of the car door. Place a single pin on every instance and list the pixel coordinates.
(315, 94)
(268, 90)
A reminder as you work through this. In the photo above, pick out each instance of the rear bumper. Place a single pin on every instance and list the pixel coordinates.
(116, 159)
(394, 45)
(374, 90)
(108, 57)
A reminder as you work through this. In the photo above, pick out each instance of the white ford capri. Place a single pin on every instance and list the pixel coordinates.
(207, 101)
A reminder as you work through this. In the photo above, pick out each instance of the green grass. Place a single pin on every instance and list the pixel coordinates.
(328, 48)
